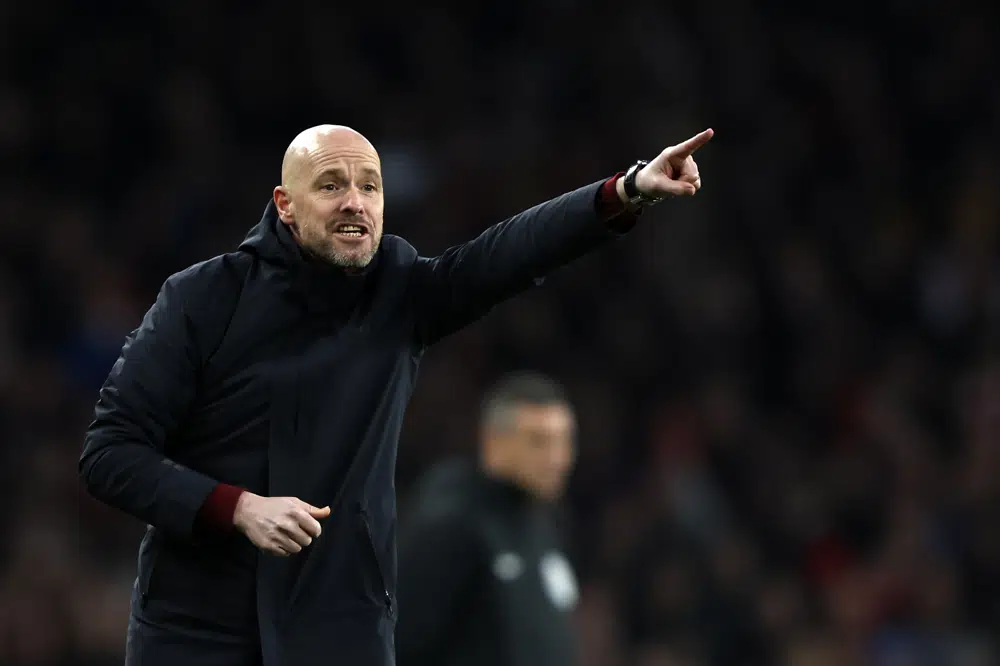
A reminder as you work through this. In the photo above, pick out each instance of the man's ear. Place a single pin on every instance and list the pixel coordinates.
(283, 202)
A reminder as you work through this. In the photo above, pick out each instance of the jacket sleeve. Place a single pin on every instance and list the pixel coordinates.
(438, 557)
(466, 281)
(145, 397)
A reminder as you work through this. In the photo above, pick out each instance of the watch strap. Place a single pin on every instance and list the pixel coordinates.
(635, 197)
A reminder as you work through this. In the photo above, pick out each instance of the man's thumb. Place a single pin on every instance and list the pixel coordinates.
(315, 512)
(319, 513)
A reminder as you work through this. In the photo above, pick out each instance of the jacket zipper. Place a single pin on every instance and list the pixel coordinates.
(378, 564)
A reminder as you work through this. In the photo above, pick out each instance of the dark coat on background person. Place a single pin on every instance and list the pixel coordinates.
(483, 576)
(265, 370)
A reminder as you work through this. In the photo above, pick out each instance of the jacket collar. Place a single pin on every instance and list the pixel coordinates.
(321, 286)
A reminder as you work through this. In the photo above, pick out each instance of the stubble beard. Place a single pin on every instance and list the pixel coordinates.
(325, 249)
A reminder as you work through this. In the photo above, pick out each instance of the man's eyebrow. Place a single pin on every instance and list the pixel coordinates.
(339, 172)
(336, 172)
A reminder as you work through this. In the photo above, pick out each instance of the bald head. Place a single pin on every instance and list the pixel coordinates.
(321, 138)
(331, 195)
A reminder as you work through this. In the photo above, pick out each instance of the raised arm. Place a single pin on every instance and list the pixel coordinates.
(144, 398)
(461, 285)
(466, 281)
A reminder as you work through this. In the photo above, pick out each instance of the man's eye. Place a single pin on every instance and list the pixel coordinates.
(329, 187)
(369, 187)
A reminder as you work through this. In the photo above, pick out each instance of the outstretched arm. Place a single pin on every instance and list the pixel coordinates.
(462, 284)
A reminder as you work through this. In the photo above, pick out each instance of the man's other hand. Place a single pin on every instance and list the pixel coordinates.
(278, 525)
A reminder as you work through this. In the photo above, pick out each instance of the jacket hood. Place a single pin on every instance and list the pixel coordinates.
(268, 241)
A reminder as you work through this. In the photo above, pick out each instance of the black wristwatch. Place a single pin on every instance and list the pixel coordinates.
(635, 197)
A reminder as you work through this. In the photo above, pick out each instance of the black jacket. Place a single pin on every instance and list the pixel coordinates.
(483, 577)
(261, 369)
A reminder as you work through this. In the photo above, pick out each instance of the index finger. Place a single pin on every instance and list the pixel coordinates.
(694, 143)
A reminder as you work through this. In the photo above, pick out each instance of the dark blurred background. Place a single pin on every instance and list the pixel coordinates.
(788, 387)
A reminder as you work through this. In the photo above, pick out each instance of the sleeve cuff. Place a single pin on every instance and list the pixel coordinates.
(216, 513)
(611, 209)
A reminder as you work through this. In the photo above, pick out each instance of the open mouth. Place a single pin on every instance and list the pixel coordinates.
(351, 230)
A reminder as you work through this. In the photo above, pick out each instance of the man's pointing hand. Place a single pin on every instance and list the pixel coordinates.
(673, 173)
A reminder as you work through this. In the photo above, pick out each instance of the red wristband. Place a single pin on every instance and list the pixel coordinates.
(217, 511)
(611, 209)
(609, 203)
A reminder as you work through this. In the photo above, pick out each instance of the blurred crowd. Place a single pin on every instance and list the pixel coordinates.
(788, 387)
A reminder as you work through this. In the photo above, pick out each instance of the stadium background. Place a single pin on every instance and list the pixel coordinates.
(788, 387)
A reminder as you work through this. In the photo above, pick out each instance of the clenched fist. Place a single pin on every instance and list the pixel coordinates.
(278, 525)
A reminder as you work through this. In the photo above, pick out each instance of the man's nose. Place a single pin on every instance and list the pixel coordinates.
(352, 203)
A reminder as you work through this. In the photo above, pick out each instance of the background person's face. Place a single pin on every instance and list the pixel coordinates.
(539, 449)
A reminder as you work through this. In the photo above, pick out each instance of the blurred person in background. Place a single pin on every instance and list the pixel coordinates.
(264, 391)
(483, 577)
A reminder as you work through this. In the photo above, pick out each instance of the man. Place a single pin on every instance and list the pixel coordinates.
(482, 577)
(252, 419)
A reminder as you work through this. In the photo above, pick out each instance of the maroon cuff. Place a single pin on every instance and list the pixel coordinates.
(217, 511)
(611, 209)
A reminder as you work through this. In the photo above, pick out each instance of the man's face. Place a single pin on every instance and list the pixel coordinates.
(331, 197)
(539, 448)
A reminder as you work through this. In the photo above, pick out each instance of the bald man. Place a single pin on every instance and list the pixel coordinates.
(252, 418)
